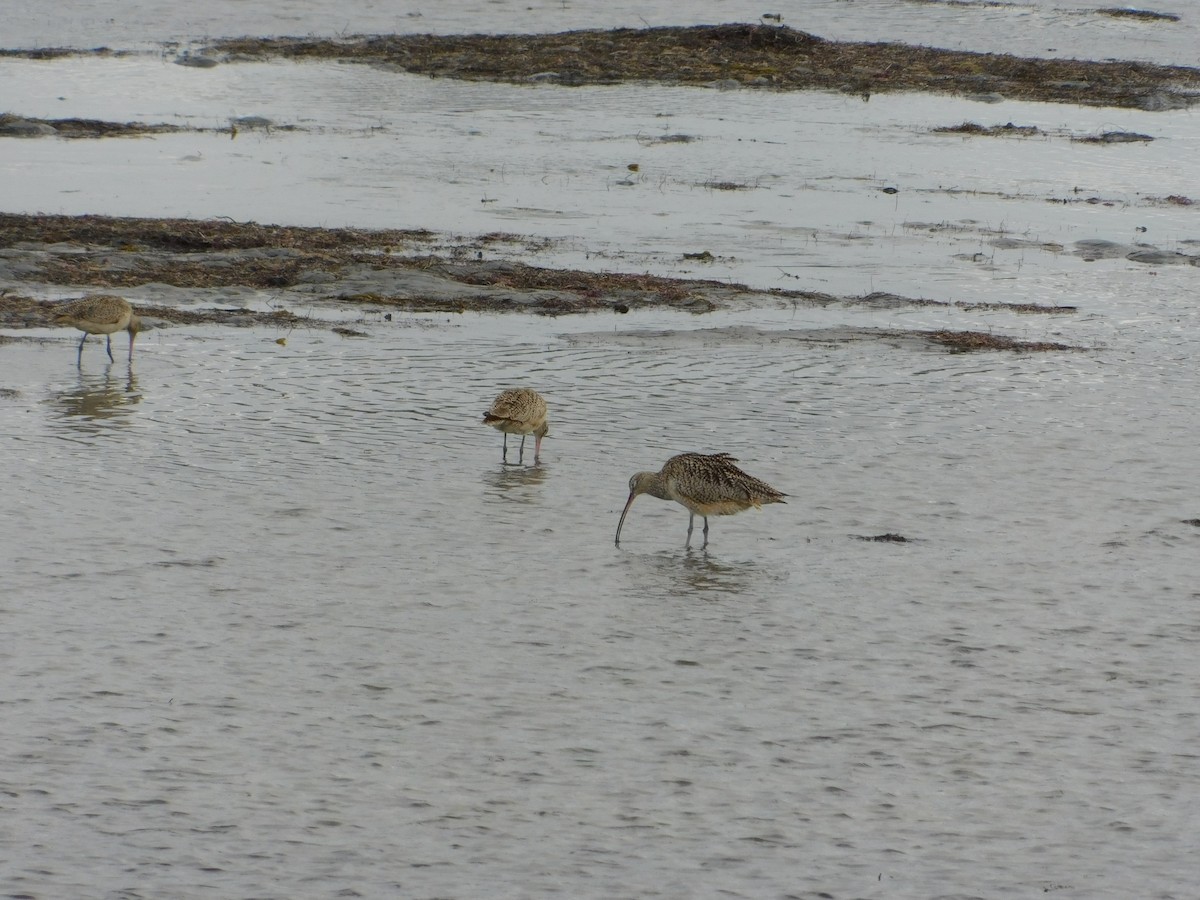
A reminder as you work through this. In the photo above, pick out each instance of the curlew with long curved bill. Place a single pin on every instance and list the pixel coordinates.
(519, 411)
(705, 484)
(100, 314)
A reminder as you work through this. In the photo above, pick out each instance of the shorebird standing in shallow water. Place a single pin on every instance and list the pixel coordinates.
(707, 485)
(100, 314)
(519, 411)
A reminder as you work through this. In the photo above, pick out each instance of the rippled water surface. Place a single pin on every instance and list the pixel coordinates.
(277, 621)
(281, 624)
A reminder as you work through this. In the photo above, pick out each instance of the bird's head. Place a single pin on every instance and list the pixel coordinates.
(641, 483)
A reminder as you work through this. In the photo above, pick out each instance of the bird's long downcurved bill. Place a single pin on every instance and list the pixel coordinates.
(624, 512)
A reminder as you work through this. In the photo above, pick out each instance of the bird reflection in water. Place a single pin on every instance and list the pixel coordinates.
(694, 572)
(110, 394)
(514, 483)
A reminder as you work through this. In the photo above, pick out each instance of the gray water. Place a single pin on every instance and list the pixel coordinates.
(281, 624)
(278, 622)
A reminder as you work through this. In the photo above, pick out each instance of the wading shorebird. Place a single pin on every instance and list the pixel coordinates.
(519, 411)
(100, 314)
(707, 485)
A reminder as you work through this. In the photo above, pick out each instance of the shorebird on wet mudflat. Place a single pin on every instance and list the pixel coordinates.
(99, 314)
(705, 484)
(519, 411)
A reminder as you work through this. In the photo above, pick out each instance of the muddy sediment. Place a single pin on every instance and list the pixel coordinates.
(742, 55)
(186, 271)
(27, 126)
(74, 128)
(763, 56)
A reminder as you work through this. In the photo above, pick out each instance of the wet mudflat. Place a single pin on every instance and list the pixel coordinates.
(761, 55)
(282, 624)
(754, 55)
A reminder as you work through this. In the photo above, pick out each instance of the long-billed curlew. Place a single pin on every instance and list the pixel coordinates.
(707, 485)
(100, 314)
(519, 411)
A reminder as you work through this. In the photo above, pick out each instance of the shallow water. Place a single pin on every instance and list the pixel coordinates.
(279, 623)
(288, 627)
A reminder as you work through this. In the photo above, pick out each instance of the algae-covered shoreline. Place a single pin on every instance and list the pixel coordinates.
(186, 263)
(743, 55)
(758, 56)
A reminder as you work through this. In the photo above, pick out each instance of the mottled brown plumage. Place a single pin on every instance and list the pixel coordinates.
(519, 411)
(100, 314)
(705, 484)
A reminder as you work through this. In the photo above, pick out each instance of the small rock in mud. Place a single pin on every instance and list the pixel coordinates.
(1125, 12)
(1155, 257)
(974, 128)
(11, 126)
(252, 123)
(1113, 137)
(196, 62)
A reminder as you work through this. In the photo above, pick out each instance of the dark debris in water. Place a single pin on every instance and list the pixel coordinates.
(746, 55)
(26, 126)
(890, 538)
(1114, 137)
(972, 341)
(885, 300)
(974, 128)
(1125, 12)
(60, 52)
(192, 234)
(672, 139)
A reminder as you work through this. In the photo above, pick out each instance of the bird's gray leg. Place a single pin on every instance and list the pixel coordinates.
(705, 532)
(79, 355)
(521, 455)
(504, 454)
(691, 520)
(108, 347)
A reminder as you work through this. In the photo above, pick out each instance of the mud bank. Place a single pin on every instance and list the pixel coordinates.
(743, 55)
(170, 267)
(729, 56)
